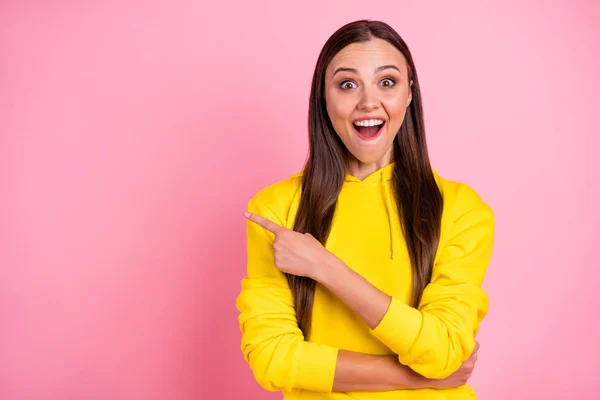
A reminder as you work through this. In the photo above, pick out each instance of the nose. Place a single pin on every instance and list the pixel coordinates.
(369, 100)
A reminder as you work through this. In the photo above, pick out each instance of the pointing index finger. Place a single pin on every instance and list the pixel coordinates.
(264, 222)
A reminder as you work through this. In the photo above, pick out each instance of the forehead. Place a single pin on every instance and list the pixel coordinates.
(366, 56)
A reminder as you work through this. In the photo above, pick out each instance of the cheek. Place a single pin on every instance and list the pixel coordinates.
(338, 110)
(341, 104)
(396, 105)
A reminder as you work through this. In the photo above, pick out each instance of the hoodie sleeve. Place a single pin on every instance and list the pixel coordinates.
(436, 338)
(272, 343)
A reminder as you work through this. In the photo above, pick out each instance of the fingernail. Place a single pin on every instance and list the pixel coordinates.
(247, 214)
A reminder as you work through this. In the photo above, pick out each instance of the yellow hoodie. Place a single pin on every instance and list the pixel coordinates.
(366, 235)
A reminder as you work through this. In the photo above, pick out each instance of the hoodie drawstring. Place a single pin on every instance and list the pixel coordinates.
(388, 205)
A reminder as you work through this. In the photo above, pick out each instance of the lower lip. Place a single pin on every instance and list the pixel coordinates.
(375, 136)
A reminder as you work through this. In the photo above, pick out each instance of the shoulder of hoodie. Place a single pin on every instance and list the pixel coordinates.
(460, 198)
(277, 197)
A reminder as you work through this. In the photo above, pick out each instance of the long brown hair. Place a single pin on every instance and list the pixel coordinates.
(415, 190)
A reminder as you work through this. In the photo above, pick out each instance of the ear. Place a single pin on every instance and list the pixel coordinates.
(409, 94)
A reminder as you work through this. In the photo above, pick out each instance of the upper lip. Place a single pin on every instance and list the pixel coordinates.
(368, 118)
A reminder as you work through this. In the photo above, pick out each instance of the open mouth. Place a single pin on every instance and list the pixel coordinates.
(368, 130)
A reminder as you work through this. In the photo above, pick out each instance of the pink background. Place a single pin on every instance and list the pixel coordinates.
(132, 135)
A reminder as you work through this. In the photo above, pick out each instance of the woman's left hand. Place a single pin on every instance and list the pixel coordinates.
(295, 253)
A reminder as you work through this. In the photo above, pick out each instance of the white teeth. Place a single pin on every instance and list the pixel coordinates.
(369, 122)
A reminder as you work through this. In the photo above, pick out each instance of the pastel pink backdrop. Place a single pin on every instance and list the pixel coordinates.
(134, 133)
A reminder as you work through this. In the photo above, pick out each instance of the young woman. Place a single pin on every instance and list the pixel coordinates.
(365, 269)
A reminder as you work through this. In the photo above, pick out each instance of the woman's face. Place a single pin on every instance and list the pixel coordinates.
(367, 92)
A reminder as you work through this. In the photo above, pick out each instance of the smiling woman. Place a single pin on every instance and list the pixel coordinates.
(366, 103)
(365, 269)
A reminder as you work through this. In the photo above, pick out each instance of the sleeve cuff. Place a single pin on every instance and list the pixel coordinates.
(399, 327)
(315, 369)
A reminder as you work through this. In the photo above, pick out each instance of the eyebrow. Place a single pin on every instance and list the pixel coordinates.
(378, 69)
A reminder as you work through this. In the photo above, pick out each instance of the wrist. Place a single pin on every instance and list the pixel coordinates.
(432, 383)
(328, 269)
(419, 381)
(406, 378)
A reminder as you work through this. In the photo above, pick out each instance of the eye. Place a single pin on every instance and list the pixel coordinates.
(347, 85)
(388, 82)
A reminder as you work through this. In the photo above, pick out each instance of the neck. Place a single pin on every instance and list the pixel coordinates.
(361, 170)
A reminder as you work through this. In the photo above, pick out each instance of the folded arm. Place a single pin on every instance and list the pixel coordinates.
(435, 339)
(281, 359)
(274, 346)
(357, 372)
